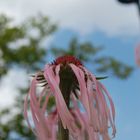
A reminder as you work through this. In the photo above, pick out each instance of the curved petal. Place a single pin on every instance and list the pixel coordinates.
(82, 84)
(102, 108)
(93, 107)
(112, 115)
(65, 115)
(137, 55)
(42, 127)
(78, 114)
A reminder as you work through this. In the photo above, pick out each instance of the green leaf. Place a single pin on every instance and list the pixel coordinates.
(101, 78)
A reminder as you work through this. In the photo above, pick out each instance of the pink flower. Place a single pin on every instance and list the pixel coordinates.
(71, 84)
(137, 55)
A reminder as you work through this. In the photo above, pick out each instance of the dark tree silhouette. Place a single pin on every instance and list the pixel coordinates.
(137, 2)
(128, 1)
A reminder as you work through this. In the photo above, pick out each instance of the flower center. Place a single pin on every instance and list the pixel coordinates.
(66, 60)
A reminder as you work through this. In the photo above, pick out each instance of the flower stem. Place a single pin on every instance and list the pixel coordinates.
(63, 134)
(65, 87)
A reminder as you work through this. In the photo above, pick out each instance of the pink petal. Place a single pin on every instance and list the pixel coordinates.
(94, 112)
(42, 127)
(26, 113)
(137, 55)
(65, 116)
(82, 84)
(77, 113)
(101, 105)
(112, 119)
(39, 118)
(92, 135)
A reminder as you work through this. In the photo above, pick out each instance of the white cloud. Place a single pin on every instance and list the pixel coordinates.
(81, 15)
(8, 86)
(12, 8)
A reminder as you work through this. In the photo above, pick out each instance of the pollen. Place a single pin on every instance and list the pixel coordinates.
(67, 60)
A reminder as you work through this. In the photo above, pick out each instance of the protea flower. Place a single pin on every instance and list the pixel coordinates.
(83, 108)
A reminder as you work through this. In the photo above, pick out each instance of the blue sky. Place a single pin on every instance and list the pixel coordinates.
(103, 23)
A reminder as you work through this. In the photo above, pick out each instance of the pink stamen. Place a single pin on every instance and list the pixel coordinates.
(67, 60)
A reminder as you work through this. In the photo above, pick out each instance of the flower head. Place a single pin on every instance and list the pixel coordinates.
(70, 84)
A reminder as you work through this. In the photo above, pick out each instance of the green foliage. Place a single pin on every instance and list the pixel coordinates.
(31, 55)
(114, 66)
(28, 56)
(82, 51)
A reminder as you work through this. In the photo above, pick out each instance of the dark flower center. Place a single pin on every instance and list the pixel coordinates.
(68, 80)
(66, 60)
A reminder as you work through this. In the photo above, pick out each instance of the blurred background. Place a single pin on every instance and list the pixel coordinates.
(102, 34)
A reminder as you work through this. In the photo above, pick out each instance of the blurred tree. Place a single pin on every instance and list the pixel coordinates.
(21, 46)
